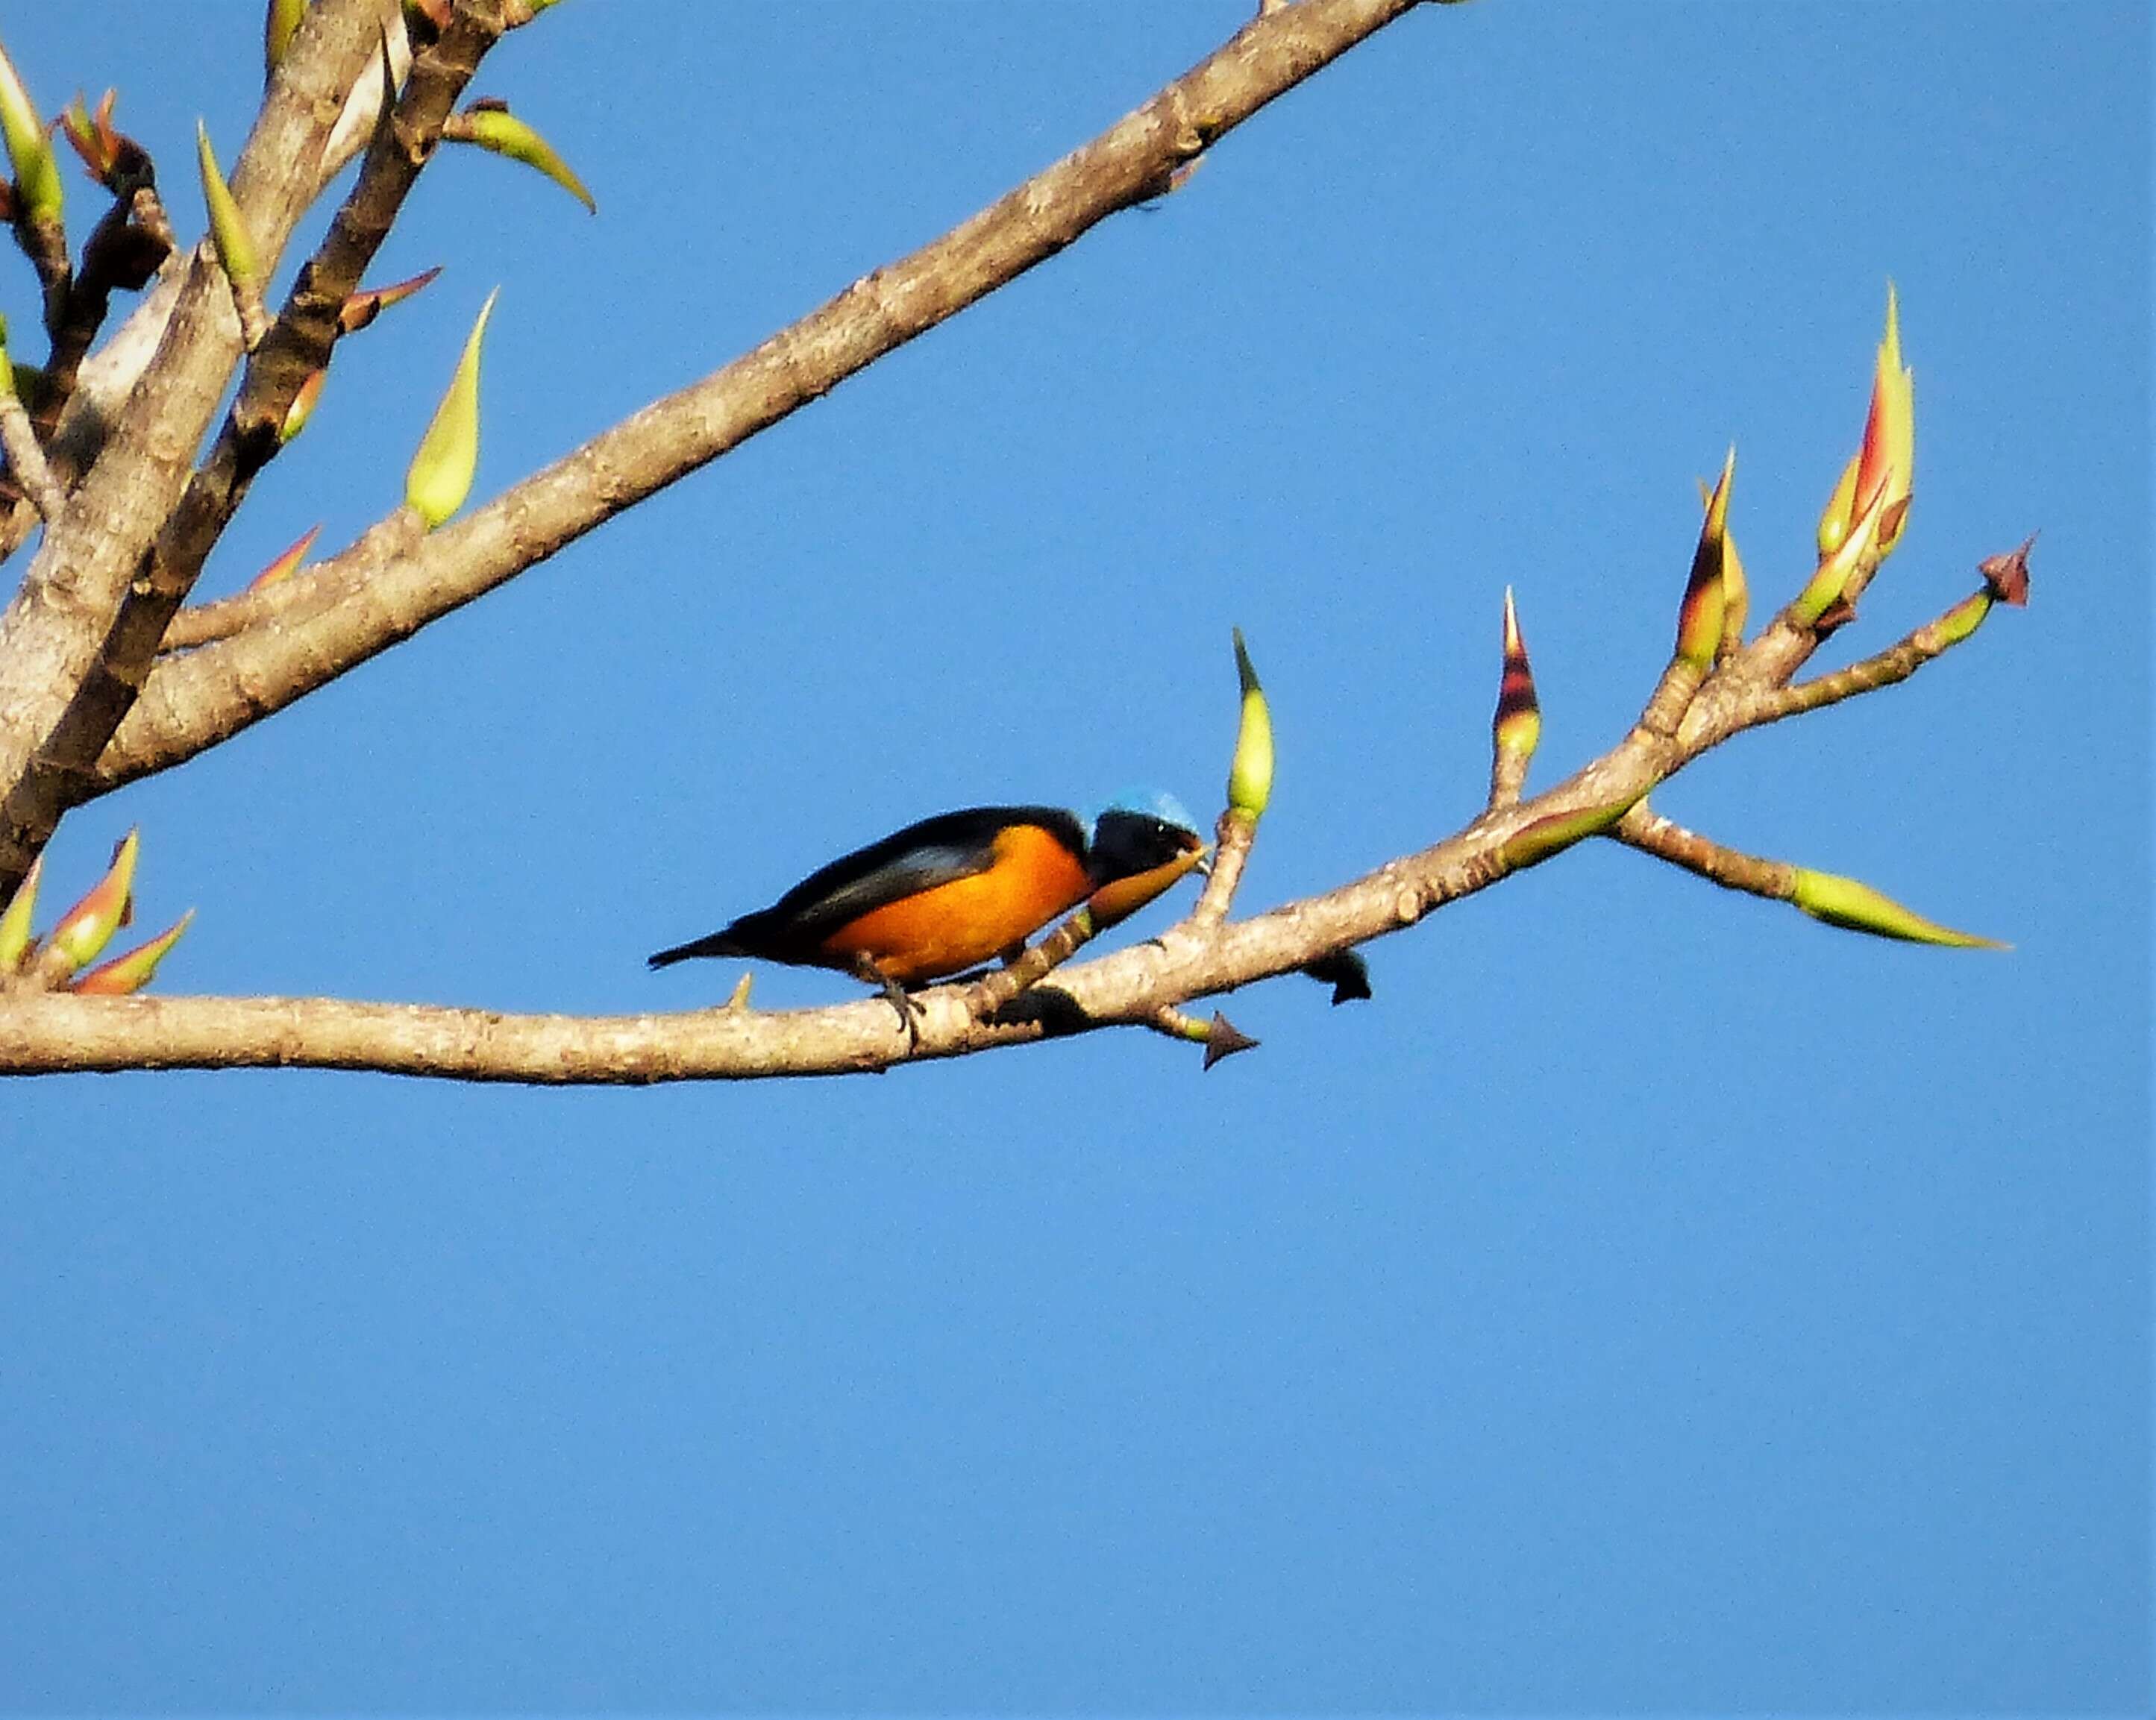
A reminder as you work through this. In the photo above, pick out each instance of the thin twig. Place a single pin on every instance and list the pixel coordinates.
(1652, 834)
(26, 460)
(1884, 669)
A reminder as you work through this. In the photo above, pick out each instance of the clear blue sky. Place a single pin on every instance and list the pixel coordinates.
(1651, 1301)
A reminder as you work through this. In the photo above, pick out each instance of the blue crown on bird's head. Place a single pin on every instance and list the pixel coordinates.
(1147, 803)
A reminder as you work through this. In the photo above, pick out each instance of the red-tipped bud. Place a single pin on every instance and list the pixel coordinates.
(1700, 616)
(124, 975)
(1517, 726)
(287, 564)
(84, 929)
(111, 157)
(363, 306)
(1884, 469)
(2006, 577)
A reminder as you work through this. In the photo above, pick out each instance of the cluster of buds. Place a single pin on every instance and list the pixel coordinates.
(1863, 520)
(62, 961)
(112, 158)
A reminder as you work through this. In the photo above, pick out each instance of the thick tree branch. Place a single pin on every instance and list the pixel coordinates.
(296, 346)
(55, 631)
(308, 630)
(88, 409)
(1145, 985)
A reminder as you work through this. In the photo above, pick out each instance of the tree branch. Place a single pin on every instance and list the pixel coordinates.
(1144, 985)
(350, 606)
(294, 348)
(55, 631)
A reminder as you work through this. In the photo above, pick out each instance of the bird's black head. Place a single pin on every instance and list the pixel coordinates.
(1128, 841)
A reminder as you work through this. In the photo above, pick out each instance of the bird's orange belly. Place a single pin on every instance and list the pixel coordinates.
(971, 920)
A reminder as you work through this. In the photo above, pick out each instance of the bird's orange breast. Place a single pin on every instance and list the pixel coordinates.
(952, 926)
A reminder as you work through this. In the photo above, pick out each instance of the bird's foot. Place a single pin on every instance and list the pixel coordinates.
(910, 1009)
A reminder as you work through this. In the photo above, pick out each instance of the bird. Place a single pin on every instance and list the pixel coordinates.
(954, 890)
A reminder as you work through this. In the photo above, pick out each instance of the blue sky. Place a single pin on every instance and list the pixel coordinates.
(1651, 1301)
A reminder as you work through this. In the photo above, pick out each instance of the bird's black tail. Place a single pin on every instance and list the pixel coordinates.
(719, 943)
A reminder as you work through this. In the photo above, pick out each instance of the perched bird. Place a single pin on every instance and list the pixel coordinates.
(955, 890)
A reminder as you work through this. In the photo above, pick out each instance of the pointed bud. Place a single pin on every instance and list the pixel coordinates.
(287, 564)
(84, 929)
(15, 939)
(279, 27)
(1250, 776)
(1700, 615)
(227, 232)
(2006, 577)
(1884, 466)
(363, 306)
(489, 124)
(1860, 549)
(1223, 1038)
(124, 975)
(1517, 726)
(29, 150)
(1735, 596)
(1840, 507)
(304, 399)
(1858, 907)
(1736, 590)
(1557, 832)
(440, 476)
